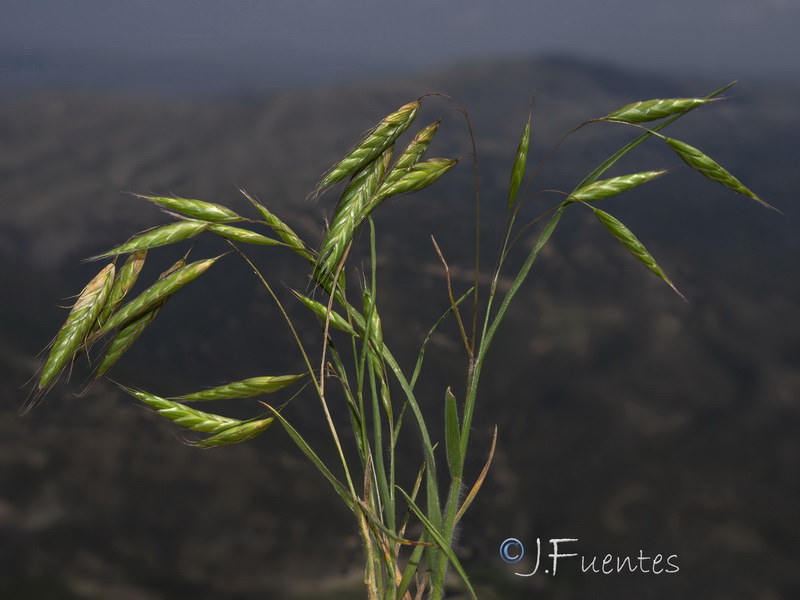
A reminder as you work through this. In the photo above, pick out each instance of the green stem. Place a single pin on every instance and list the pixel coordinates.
(320, 391)
(448, 528)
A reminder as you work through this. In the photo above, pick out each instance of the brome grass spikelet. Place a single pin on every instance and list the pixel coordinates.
(79, 324)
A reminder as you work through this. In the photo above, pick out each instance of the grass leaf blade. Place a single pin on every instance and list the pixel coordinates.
(312, 456)
(441, 544)
(452, 435)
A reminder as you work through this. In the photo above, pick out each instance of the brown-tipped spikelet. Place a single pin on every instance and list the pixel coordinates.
(412, 153)
(379, 139)
(651, 110)
(706, 166)
(419, 176)
(345, 220)
(160, 236)
(606, 188)
(197, 209)
(247, 388)
(79, 324)
(161, 289)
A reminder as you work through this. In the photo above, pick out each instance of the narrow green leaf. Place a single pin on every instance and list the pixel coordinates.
(452, 435)
(160, 236)
(197, 209)
(306, 449)
(247, 388)
(431, 331)
(522, 274)
(706, 166)
(651, 110)
(388, 532)
(409, 572)
(416, 555)
(439, 541)
(606, 188)
(518, 171)
(625, 237)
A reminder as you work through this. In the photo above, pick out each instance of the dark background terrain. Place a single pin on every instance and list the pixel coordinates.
(628, 419)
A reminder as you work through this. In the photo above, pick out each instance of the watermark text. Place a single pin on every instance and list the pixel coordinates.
(512, 551)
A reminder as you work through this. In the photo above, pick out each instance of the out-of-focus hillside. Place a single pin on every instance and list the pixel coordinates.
(628, 418)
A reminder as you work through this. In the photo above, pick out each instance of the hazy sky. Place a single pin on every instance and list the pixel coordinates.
(250, 42)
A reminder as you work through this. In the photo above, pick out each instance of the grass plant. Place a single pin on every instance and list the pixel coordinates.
(380, 396)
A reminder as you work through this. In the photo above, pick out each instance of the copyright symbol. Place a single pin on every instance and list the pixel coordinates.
(512, 551)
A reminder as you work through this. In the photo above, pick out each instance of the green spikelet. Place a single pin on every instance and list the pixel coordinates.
(374, 144)
(247, 388)
(652, 110)
(197, 209)
(160, 236)
(625, 237)
(79, 324)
